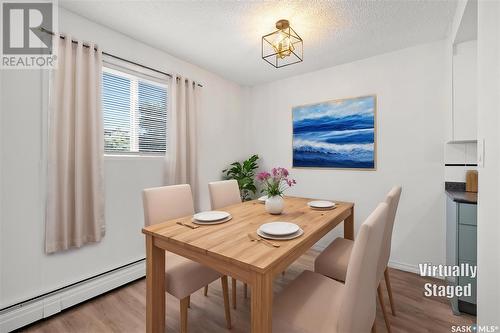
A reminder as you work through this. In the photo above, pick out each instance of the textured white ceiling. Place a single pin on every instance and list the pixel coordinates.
(224, 37)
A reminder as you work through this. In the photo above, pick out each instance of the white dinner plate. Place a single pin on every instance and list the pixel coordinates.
(211, 216)
(279, 228)
(321, 204)
(212, 222)
(262, 234)
(262, 199)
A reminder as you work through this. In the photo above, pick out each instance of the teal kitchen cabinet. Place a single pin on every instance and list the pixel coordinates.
(461, 248)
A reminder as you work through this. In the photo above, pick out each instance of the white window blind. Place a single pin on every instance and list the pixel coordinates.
(135, 113)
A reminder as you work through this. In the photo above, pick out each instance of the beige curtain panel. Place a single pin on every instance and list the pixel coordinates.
(181, 155)
(75, 152)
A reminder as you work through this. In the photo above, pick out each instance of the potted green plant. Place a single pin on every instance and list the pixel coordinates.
(244, 173)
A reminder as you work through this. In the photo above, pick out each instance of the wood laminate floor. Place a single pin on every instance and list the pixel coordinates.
(123, 309)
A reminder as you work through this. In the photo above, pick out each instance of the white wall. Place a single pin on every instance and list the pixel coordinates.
(488, 230)
(464, 91)
(410, 88)
(26, 270)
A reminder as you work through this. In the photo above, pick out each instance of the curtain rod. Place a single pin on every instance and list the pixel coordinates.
(112, 55)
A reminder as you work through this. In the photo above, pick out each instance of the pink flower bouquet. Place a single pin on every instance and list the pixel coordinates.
(276, 182)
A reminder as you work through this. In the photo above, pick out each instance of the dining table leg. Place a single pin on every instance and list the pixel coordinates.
(349, 226)
(155, 287)
(262, 303)
(233, 291)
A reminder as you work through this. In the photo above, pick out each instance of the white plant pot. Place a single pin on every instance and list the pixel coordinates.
(275, 205)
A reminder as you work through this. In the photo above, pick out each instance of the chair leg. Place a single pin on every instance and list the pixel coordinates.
(227, 307)
(389, 290)
(233, 280)
(246, 290)
(184, 314)
(205, 292)
(189, 301)
(382, 305)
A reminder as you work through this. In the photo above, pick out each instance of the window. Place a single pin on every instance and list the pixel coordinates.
(135, 113)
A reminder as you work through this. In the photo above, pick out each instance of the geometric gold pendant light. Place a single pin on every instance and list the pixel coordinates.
(282, 47)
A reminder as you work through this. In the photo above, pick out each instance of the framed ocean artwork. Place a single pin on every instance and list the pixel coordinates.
(336, 134)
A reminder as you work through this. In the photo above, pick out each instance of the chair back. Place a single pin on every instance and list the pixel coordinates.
(358, 306)
(166, 203)
(392, 200)
(224, 193)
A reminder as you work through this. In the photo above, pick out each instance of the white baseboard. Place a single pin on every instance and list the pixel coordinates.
(48, 305)
(409, 268)
(404, 267)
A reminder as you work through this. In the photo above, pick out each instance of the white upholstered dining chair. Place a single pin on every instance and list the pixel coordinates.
(335, 259)
(183, 276)
(314, 303)
(225, 193)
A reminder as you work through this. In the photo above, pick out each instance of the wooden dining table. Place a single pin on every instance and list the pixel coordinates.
(228, 249)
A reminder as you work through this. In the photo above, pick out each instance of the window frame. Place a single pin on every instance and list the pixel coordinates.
(124, 70)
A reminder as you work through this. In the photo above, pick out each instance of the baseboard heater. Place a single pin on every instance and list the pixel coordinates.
(46, 305)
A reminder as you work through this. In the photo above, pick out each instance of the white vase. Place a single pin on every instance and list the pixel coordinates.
(275, 205)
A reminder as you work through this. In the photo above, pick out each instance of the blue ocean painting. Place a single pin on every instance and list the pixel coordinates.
(335, 134)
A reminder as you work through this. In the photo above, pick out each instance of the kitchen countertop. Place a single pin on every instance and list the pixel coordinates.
(463, 197)
(456, 191)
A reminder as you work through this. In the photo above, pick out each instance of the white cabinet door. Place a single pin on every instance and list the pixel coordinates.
(464, 91)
